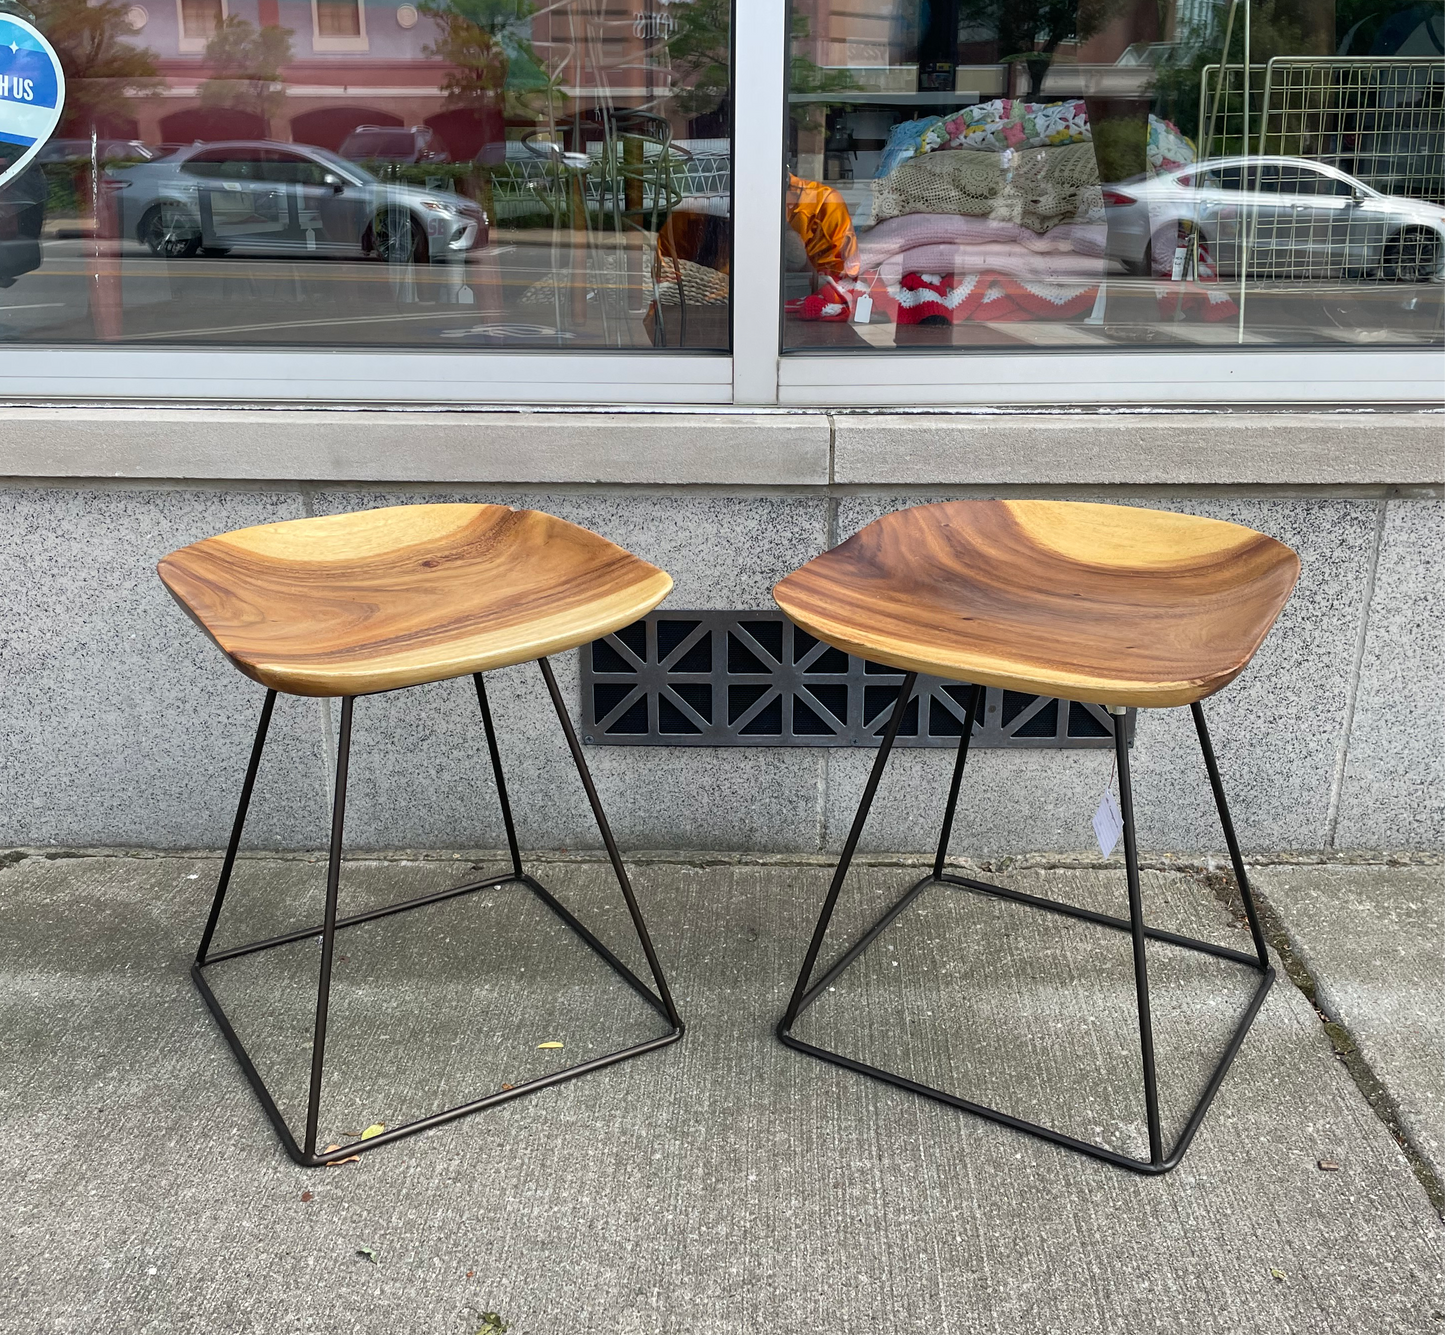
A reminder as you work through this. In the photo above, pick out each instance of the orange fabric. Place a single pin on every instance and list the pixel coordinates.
(818, 214)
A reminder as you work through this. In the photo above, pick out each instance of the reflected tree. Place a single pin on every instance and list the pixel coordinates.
(246, 64)
(1030, 32)
(485, 43)
(104, 70)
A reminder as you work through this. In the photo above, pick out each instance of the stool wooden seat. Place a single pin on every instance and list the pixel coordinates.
(1105, 604)
(354, 603)
(348, 605)
(1108, 604)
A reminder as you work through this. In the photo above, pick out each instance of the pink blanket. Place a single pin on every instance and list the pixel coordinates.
(914, 230)
(1006, 257)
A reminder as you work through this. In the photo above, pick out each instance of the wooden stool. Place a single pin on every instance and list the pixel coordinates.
(1104, 604)
(353, 604)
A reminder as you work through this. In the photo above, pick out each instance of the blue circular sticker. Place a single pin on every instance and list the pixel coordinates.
(32, 92)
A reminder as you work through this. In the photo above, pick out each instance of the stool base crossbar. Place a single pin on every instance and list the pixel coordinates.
(303, 1151)
(1170, 1160)
(1159, 1161)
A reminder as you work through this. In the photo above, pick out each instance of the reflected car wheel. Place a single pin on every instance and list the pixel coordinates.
(170, 231)
(1411, 256)
(398, 238)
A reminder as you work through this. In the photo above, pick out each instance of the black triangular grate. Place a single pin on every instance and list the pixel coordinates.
(755, 679)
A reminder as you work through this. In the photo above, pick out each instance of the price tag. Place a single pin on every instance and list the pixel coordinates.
(1108, 824)
(1181, 253)
(863, 311)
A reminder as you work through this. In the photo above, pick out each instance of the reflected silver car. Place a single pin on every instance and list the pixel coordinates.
(288, 199)
(1292, 217)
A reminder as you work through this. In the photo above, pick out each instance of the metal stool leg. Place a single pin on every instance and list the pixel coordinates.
(975, 703)
(801, 994)
(1136, 931)
(614, 856)
(497, 773)
(328, 930)
(1140, 933)
(1250, 912)
(242, 807)
(305, 1152)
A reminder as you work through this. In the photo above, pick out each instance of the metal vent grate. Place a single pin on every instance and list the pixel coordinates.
(755, 679)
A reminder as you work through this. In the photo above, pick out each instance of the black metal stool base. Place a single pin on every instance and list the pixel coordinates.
(303, 1151)
(1159, 1161)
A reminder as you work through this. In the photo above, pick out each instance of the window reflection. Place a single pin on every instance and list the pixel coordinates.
(1095, 172)
(439, 174)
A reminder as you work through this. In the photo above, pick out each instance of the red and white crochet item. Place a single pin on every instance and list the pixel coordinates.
(835, 300)
(983, 296)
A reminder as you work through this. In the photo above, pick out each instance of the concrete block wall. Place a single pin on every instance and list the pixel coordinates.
(122, 725)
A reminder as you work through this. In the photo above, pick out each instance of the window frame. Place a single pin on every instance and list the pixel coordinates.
(758, 373)
(323, 44)
(193, 46)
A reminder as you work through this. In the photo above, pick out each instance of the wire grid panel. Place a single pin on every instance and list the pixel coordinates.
(754, 679)
(1222, 109)
(1380, 119)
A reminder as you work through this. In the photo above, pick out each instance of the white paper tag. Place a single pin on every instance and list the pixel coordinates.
(863, 311)
(1108, 824)
(1181, 253)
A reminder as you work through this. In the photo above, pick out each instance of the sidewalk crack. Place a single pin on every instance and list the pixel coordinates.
(1381, 1102)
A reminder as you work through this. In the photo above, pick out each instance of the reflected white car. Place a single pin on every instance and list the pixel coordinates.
(287, 199)
(1292, 218)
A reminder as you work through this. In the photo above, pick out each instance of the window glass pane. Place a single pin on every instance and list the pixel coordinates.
(338, 18)
(434, 174)
(200, 18)
(1089, 173)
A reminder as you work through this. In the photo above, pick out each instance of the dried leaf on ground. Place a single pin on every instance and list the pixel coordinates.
(1278, 1274)
(337, 1163)
(369, 1253)
(305, 1195)
(375, 1129)
(553, 1044)
(1328, 1166)
(492, 1324)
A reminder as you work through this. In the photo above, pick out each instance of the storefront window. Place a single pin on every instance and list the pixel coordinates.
(438, 174)
(1031, 173)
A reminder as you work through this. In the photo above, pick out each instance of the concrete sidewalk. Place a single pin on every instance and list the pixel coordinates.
(724, 1184)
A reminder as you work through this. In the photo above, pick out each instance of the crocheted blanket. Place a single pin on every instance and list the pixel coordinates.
(1035, 188)
(1007, 123)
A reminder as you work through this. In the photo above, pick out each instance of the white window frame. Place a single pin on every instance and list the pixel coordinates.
(461, 378)
(758, 373)
(190, 46)
(323, 44)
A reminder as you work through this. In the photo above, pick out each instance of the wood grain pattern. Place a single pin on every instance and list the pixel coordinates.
(1108, 604)
(353, 603)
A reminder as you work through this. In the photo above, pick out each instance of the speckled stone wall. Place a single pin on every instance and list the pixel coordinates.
(122, 725)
